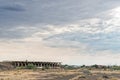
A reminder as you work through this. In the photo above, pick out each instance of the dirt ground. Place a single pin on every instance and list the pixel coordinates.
(59, 75)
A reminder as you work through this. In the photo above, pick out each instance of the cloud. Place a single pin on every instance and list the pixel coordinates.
(83, 30)
(92, 31)
(13, 7)
(31, 12)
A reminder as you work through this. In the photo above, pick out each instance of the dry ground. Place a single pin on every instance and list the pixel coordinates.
(59, 75)
(37, 75)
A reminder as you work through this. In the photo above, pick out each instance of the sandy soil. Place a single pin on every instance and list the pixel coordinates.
(59, 75)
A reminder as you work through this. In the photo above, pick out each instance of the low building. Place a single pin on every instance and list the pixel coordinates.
(35, 63)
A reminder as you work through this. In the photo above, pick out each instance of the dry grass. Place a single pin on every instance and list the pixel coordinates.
(34, 75)
(58, 75)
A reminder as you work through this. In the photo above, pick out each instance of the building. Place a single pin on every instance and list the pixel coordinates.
(35, 63)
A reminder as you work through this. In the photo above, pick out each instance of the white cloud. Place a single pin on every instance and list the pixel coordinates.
(24, 30)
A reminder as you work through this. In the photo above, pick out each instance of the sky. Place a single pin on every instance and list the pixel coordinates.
(73, 32)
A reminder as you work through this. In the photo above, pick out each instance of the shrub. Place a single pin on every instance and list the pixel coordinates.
(31, 66)
(83, 66)
(95, 66)
(105, 76)
(43, 69)
(82, 76)
(69, 67)
(87, 72)
(116, 67)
